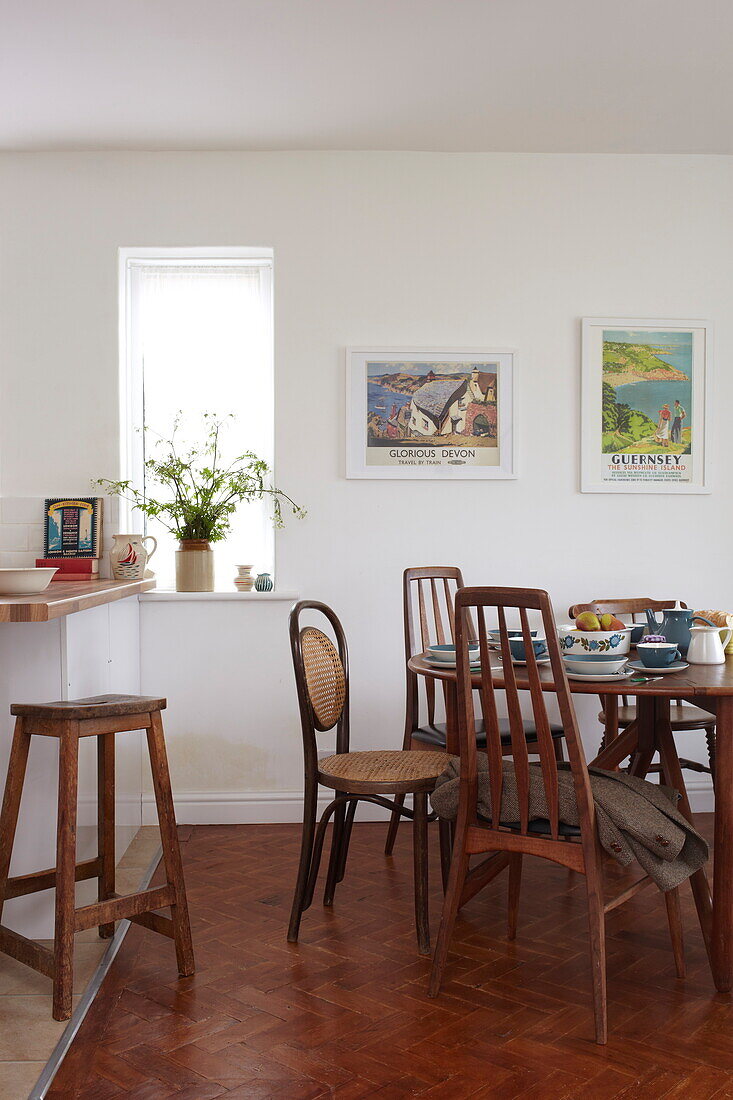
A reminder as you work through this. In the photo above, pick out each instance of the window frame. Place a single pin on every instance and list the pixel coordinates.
(131, 389)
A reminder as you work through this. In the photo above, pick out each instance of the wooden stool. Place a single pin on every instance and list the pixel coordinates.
(101, 716)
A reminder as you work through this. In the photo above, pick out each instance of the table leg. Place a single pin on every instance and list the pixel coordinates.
(722, 945)
(672, 776)
(646, 716)
(451, 717)
(610, 711)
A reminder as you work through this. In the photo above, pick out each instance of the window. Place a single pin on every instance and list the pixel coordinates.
(196, 337)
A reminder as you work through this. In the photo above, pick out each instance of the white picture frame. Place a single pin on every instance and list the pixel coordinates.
(401, 427)
(645, 405)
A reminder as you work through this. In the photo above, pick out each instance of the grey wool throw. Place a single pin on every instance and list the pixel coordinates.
(635, 819)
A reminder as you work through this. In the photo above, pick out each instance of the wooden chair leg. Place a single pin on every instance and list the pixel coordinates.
(306, 854)
(674, 916)
(171, 849)
(515, 883)
(346, 838)
(394, 822)
(11, 801)
(106, 823)
(558, 749)
(420, 859)
(451, 901)
(334, 861)
(446, 849)
(710, 739)
(597, 928)
(63, 945)
(320, 836)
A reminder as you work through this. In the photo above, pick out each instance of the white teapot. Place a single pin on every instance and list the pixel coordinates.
(706, 648)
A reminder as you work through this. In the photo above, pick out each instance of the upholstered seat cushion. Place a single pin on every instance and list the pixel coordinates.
(682, 718)
(383, 767)
(435, 734)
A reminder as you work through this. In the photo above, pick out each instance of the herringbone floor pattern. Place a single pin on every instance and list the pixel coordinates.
(345, 1013)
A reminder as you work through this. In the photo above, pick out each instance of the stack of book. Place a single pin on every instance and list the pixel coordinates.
(72, 538)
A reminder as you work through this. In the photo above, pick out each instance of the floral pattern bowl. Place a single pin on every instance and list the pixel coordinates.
(573, 641)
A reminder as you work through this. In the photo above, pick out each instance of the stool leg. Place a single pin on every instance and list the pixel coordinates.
(169, 839)
(106, 823)
(11, 801)
(63, 946)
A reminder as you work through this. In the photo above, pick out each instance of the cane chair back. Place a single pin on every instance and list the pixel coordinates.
(322, 678)
(499, 600)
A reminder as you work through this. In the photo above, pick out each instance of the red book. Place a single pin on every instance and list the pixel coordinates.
(85, 567)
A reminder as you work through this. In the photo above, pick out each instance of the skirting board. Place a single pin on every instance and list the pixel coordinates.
(279, 807)
(247, 807)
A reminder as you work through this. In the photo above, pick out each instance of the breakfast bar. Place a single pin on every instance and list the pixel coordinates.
(75, 639)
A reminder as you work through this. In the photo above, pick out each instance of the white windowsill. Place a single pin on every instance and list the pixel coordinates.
(163, 595)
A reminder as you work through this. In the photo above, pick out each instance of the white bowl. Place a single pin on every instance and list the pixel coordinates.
(25, 582)
(595, 668)
(573, 640)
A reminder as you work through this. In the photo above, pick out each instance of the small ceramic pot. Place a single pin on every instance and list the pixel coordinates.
(194, 566)
(244, 581)
(263, 583)
(129, 556)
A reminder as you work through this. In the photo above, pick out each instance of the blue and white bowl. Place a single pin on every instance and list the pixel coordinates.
(447, 653)
(602, 664)
(574, 642)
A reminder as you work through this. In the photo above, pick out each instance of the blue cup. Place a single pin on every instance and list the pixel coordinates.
(657, 654)
(518, 652)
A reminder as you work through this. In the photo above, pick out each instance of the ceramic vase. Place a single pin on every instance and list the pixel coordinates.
(194, 566)
(263, 583)
(244, 581)
(129, 556)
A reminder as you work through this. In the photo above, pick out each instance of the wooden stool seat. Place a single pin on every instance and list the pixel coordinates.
(96, 706)
(104, 717)
(390, 770)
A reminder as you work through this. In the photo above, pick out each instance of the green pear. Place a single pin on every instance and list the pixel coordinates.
(587, 620)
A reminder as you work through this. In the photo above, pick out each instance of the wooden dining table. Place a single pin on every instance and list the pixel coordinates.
(706, 686)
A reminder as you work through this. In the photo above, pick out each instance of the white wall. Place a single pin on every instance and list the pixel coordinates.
(372, 249)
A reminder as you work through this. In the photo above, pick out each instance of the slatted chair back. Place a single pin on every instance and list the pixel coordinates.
(429, 619)
(499, 601)
(630, 607)
(322, 678)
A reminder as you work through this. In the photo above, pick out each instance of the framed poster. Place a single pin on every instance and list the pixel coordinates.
(429, 414)
(644, 407)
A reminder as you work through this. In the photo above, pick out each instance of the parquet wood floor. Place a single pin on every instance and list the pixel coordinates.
(345, 1012)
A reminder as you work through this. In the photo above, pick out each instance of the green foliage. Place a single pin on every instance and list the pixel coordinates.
(621, 424)
(636, 359)
(196, 494)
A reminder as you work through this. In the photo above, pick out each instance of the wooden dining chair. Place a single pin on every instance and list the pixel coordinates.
(322, 680)
(682, 717)
(577, 848)
(428, 597)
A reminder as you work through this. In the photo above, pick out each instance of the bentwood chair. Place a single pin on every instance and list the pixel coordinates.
(577, 848)
(322, 679)
(682, 717)
(428, 595)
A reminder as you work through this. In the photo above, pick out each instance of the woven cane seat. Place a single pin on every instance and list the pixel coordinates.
(382, 768)
(681, 718)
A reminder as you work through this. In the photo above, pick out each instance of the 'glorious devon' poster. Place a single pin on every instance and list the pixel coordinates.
(426, 415)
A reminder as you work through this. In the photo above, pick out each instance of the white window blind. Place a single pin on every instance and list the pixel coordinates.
(200, 341)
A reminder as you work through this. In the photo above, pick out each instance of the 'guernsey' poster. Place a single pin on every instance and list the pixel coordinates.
(644, 390)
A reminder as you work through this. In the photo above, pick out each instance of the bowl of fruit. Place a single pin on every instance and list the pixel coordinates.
(595, 635)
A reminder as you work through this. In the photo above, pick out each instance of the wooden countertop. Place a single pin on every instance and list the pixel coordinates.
(65, 597)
